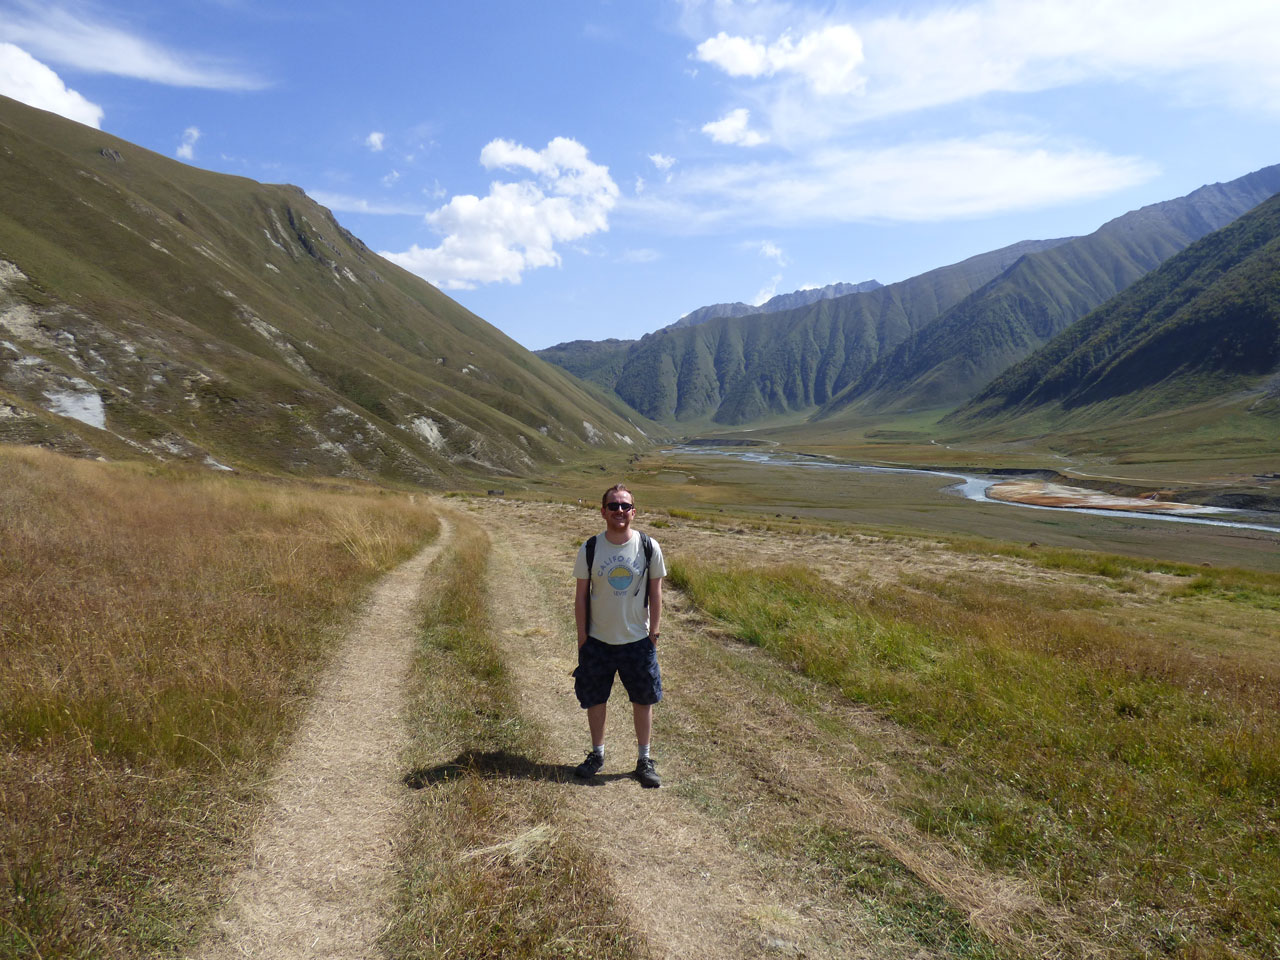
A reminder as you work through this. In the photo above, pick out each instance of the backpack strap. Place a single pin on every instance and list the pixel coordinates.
(647, 544)
(591, 559)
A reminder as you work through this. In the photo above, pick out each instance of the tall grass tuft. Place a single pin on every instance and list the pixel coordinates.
(488, 870)
(160, 628)
(1114, 768)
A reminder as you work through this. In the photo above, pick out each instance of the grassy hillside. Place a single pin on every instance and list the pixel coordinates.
(948, 361)
(740, 370)
(1191, 352)
(601, 361)
(148, 308)
(596, 361)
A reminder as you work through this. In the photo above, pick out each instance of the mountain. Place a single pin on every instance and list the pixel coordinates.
(783, 301)
(152, 309)
(595, 361)
(948, 361)
(1202, 328)
(736, 370)
(601, 361)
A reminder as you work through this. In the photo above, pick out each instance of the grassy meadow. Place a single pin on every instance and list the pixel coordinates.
(161, 627)
(1102, 723)
(1100, 760)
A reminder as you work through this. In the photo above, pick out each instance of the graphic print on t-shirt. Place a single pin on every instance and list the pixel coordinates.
(618, 572)
(620, 577)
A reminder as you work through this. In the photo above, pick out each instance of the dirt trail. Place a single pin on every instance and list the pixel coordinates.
(698, 864)
(316, 884)
(690, 890)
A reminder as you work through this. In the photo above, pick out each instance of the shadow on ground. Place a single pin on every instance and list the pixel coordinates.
(499, 763)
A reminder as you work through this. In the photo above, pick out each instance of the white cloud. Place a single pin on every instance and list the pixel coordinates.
(641, 255)
(25, 78)
(187, 148)
(827, 59)
(771, 251)
(639, 185)
(58, 35)
(733, 128)
(516, 227)
(375, 140)
(935, 180)
(767, 293)
(662, 162)
(391, 178)
(1220, 53)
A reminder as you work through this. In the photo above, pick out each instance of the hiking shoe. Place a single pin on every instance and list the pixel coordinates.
(590, 766)
(645, 773)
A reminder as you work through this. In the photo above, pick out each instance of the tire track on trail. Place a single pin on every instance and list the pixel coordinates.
(689, 889)
(317, 883)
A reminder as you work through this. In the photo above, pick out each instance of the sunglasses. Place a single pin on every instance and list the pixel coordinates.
(623, 507)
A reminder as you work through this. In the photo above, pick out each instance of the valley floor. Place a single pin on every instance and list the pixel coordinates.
(790, 822)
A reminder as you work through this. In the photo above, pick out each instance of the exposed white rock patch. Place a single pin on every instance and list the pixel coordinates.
(593, 435)
(429, 430)
(21, 321)
(277, 339)
(201, 249)
(210, 462)
(14, 413)
(80, 403)
(9, 274)
(327, 445)
(543, 430)
(624, 438)
(155, 245)
(170, 444)
(271, 266)
(270, 239)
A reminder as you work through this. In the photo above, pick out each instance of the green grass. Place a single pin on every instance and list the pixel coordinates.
(1107, 767)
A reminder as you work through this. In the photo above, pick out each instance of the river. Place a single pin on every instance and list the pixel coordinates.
(969, 486)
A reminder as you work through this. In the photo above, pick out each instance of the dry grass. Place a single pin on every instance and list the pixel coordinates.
(488, 870)
(160, 629)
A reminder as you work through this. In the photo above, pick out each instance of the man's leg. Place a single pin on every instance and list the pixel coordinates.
(642, 713)
(595, 722)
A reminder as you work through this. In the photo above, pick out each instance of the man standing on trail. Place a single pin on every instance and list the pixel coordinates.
(618, 607)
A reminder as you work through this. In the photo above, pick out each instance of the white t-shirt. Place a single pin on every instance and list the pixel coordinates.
(618, 611)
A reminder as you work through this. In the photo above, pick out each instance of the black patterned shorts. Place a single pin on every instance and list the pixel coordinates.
(636, 663)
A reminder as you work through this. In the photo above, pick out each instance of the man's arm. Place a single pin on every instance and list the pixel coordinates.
(655, 607)
(580, 610)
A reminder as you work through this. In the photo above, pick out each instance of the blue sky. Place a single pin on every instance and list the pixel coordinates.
(576, 169)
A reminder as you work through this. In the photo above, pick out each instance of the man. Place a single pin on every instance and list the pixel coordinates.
(618, 607)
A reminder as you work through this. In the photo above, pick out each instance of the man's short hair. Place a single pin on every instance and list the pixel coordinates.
(616, 488)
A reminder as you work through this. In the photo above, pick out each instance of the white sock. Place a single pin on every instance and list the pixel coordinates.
(598, 751)
(644, 751)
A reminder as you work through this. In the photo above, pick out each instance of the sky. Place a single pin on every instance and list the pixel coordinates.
(583, 169)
